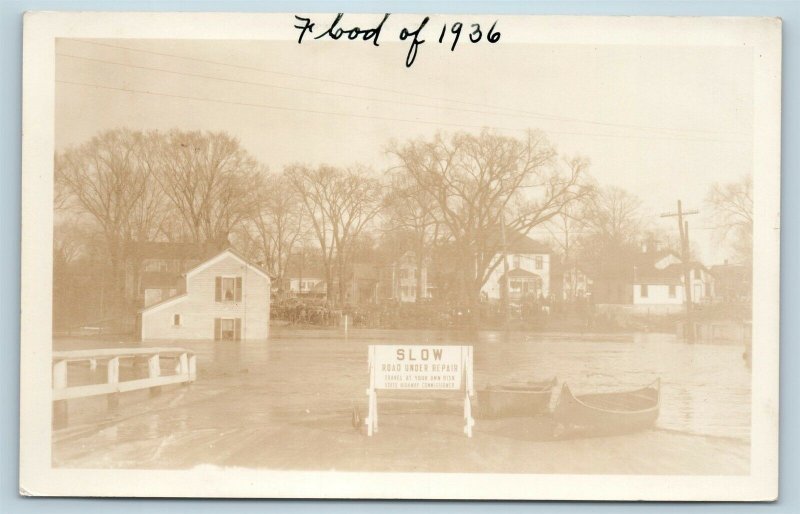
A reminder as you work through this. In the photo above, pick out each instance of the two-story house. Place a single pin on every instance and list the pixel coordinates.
(402, 278)
(226, 298)
(528, 270)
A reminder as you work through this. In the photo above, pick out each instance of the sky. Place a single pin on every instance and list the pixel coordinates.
(663, 122)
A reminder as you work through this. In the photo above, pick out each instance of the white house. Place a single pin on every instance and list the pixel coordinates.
(662, 282)
(529, 270)
(226, 299)
(307, 285)
(398, 279)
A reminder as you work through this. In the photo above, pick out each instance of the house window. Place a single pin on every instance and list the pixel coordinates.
(176, 320)
(228, 289)
(643, 290)
(227, 329)
(538, 262)
(672, 291)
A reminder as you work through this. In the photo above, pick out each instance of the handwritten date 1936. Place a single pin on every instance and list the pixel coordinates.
(475, 35)
(413, 33)
(492, 36)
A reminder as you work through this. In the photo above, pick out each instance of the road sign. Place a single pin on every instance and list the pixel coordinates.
(420, 367)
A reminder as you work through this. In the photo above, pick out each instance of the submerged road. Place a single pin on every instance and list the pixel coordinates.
(287, 404)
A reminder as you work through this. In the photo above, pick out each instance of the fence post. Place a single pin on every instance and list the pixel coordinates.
(192, 367)
(112, 374)
(183, 365)
(154, 371)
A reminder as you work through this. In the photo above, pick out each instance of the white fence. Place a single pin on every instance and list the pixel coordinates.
(185, 372)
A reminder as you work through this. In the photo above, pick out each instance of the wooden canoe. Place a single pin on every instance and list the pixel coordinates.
(607, 413)
(516, 400)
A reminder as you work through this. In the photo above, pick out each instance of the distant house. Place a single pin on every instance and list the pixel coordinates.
(307, 286)
(155, 270)
(529, 270)
(569, 282)
(659, 280)
(305, 277)
(362, 283)
(226, 298)
(399, 277)
(648, 278)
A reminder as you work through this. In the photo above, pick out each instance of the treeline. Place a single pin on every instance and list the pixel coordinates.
(448, 193)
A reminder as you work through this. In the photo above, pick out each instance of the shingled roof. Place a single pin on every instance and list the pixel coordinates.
(639, 268)
(518, 243)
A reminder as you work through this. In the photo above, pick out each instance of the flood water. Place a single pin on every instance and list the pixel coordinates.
(705, 388)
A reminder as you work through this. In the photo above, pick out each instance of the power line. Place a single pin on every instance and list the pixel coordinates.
(275, 107)
(407, 93)
(287, 88)
(372, 117)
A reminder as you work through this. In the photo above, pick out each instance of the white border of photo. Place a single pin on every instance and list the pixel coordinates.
(38, 477)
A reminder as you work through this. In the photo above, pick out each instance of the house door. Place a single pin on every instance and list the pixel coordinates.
(227, 329)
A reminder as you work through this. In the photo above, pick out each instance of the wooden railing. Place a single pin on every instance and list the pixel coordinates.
(185, 372)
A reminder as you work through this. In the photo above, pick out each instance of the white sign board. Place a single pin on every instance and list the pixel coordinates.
(419, 368)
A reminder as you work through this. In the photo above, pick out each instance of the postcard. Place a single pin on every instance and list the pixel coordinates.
(392, 255)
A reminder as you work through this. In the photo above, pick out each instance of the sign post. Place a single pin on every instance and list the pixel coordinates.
(420, 367)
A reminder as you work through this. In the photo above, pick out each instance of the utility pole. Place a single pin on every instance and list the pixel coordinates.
(506, 302)
(300, 278)
(683, 229)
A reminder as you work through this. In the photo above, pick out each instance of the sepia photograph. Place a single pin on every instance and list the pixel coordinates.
(391, 250)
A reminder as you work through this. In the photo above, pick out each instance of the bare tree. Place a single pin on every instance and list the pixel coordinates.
(480, 181)
(411, 217)
(212, 183)
(69, 238)
(277, 226)
(149, 216)
(339, 205)
(613, 219)
(732, 212)
(568, 226)
(110, 179)
(566, 232)
(612, 230)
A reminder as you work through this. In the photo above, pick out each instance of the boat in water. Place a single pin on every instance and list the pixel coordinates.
(516, 400)
(607, 413)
